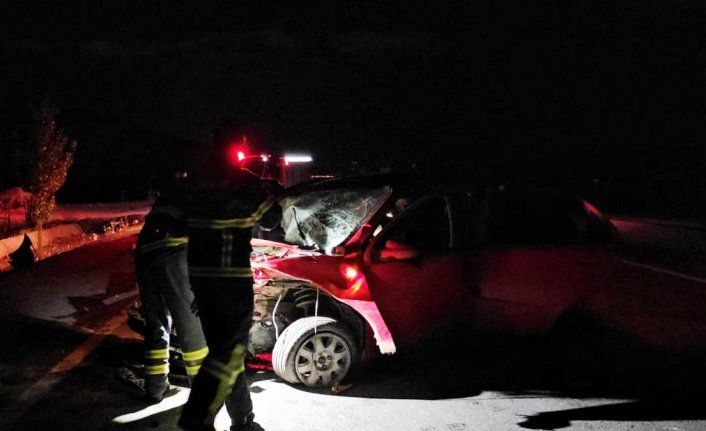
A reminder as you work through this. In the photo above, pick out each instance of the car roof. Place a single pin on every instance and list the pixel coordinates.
(422, 183)
(399, 182)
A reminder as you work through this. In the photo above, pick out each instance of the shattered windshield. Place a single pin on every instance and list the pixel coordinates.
(325, 218)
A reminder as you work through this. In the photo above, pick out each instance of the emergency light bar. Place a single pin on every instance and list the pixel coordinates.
(297, 158)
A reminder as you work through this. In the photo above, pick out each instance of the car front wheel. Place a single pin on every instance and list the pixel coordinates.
(315, 351)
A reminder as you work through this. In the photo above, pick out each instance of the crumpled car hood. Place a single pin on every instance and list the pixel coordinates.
(278, 261)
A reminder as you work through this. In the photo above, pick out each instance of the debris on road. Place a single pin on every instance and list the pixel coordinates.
(339, 388)
(128, 376)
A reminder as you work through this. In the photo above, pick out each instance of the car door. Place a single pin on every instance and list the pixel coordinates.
(543, 253)
(414, 271)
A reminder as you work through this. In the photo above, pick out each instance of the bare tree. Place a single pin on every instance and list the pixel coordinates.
(43, 159)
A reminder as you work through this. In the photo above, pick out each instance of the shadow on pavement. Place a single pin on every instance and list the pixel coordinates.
(658, 409)
(579, 360)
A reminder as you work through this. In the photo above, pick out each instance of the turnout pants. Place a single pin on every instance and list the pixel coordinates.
(225, 306)
(166, 299)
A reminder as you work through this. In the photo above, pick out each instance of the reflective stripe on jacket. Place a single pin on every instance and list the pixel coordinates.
(160, 244)
(236, 223)
(164, 232)
(220, 248)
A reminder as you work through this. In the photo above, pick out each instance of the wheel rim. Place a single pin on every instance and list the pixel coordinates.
(322, 360)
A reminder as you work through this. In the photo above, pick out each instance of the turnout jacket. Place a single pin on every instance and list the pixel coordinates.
(222, 215)
(164, 231)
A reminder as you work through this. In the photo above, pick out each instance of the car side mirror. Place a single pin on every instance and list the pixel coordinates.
(395, 250)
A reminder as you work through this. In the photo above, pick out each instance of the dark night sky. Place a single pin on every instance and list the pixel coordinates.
(577, 90)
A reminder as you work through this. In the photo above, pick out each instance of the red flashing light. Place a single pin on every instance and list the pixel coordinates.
(237, 154)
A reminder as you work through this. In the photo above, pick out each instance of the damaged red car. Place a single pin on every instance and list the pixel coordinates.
(370, 264)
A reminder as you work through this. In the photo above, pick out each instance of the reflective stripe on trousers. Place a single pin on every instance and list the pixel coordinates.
(226, 374)
(193, 361)
(157, 362)
(225, 306)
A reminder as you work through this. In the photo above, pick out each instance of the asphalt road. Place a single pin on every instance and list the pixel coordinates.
(638, 365)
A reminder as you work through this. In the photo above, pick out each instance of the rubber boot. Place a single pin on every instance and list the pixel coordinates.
(248, 424)
(156, 387)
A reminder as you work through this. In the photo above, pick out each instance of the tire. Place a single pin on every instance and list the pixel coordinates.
(315, 351)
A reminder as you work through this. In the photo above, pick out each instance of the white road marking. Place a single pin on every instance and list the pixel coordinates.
(13, 412)
(666, 271)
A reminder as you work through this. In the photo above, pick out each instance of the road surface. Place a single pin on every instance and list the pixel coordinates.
(639, 366)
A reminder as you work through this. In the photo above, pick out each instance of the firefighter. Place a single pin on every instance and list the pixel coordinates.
(223, 211)
(160, 261)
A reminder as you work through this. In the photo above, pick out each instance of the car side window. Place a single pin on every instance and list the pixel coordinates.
(423, 230)
(528, 218)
